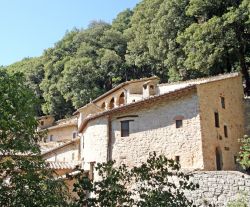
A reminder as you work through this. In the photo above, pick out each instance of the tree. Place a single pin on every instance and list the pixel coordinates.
(138, 36)
(24, 178)
(244, 154)
(54, 61)
(33, 71)
(122, 21)
(156, 182)
(218, 40)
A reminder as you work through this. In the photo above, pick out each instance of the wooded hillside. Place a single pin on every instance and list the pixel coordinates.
(173, 39)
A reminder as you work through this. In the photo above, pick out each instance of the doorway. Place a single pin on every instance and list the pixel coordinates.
(218, 158)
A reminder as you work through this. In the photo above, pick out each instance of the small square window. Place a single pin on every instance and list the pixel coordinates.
(225, 131)
(178, 123)
(124, 128)
(222, 100)
(216, 119)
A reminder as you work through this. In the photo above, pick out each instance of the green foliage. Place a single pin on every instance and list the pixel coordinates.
(173, 39)
(139, 35)
(122, 21)
(244, 154)
(33, 70)
(17, 122)
(241, 201)
(157, 182)
(218, 41)
(24, 178)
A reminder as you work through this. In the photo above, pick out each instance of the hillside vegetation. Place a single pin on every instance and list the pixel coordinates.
(173, 39)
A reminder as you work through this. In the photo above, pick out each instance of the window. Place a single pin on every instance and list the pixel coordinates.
(216, 119)
(51, 138)
(112, 103)
(225, 131)
(222, 100)
(42, 123)
(151, 87)
(74, 135)
(103, 105)
(124, 128)
(177, 158)
(178, 123)
(73, 156)
(122, 99)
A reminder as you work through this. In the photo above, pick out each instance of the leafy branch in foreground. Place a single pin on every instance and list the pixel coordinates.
(244, 154)
(157, 182)
(24, 177)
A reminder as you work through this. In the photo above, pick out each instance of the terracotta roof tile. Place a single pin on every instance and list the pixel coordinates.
(62, 165)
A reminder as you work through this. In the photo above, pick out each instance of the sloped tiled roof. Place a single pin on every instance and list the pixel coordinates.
(61, 146)
(120, 86)
(62, 165)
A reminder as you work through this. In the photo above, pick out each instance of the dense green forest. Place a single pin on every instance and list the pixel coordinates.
(173, 39)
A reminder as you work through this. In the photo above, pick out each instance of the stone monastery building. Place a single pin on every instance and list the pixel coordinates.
(196, 122)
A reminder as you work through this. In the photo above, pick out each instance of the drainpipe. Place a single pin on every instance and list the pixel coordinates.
(109, 135)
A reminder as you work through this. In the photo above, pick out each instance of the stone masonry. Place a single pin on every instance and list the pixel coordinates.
(218, 188)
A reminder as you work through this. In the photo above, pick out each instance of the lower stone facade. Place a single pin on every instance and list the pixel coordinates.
(218, 188)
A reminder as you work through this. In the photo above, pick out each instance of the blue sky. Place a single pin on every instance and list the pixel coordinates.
(27, 27)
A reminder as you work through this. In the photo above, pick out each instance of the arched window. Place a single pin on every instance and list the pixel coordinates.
(122, 99)
(111, 103)
(103, 105)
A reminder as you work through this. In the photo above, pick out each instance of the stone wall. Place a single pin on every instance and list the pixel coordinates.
(217, 188)
(153, 128)
(231, 116)
(61, 133)
(67, 153)
(95, 142)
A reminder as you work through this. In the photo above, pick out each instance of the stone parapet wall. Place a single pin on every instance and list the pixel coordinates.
(217, 188)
